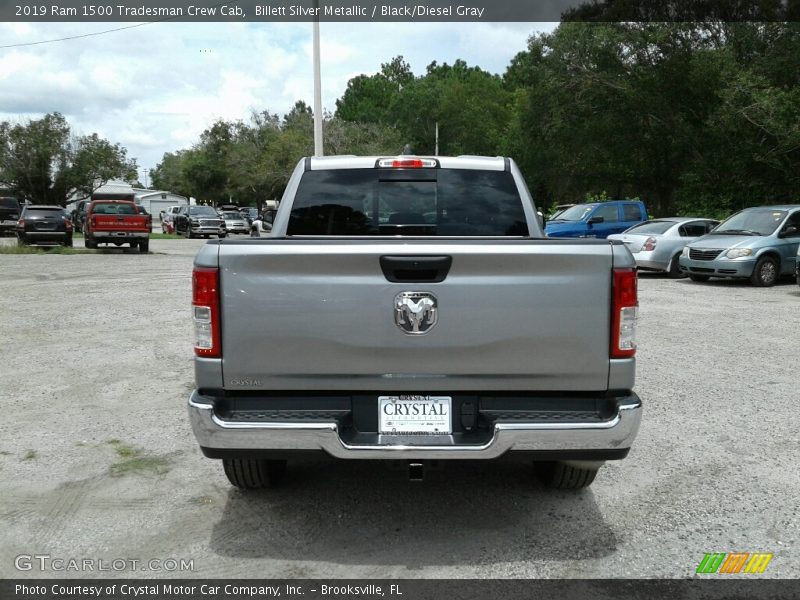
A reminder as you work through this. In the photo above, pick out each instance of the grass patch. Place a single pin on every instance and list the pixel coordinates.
(30, 455)
(146, 465)
(124, 451)
(135, 462)
(41, 250)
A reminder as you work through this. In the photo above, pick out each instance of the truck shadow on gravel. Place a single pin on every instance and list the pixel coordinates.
(370, 513)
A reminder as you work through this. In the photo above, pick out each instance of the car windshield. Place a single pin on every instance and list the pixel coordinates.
(751, 222)
(651, 227)
(232, 215)
(575, 213)
(203, 211)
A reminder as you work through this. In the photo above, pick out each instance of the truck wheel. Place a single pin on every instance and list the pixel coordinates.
(562, 476)
(766, 272)
(698, 278)
(674, 268)
(252, 473)
(144, 247)
(89, 242)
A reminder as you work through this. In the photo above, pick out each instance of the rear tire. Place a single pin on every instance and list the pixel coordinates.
(698, 278)
(144, 247)
(674, 268)
(563, 476)
(252, 473)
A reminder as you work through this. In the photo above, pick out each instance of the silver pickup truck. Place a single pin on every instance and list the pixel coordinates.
(411, 309)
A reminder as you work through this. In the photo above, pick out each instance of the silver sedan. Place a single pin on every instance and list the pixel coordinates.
(656, 245)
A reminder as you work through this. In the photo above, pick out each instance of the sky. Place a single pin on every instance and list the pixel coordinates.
(155, 88)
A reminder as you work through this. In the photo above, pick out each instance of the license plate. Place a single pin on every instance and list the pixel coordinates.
(415, 415)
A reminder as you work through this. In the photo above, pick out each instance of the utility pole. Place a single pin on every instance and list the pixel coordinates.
(436, 151)
(317, 87)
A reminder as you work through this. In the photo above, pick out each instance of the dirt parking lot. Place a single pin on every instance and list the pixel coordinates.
(97, 459)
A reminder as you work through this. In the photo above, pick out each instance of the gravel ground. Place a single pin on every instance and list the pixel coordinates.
(97, 459)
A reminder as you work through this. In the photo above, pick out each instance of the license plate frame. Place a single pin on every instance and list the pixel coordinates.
(431, 417)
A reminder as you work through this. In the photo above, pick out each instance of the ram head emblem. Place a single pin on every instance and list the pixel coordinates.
(415, 313)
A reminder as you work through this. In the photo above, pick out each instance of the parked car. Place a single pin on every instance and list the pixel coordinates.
(168, 218)
(117, 222)
(759, 244)
(235, 222)
(250, 213)
(597, 219)
(9, 214)
(79, 214)
(199, 221)
(167, 225)
(47, 225)
(657, 245)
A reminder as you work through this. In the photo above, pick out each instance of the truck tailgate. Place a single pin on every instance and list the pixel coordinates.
(120, 223)
(512, 315)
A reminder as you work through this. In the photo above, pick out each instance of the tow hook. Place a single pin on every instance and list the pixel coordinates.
(416, 471)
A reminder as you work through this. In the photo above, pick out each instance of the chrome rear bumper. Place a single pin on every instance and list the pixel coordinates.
(616, 433)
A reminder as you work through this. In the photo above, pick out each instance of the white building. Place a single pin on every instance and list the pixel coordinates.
(153, 201)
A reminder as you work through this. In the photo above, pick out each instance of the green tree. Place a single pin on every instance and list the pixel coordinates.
(45, 163)
(370, 99)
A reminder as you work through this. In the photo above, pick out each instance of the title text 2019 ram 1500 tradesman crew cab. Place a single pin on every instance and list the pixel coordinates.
(410, 308)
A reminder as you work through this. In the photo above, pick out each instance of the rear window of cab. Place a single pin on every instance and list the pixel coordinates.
(418, 202)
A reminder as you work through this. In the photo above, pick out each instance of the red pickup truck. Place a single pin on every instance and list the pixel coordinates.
(117, 222)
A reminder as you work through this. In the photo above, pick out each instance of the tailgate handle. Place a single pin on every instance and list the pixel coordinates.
(416, 269)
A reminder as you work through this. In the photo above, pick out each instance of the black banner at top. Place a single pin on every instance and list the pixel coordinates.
(398, 10)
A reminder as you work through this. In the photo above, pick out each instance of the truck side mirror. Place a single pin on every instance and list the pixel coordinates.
(594, 220)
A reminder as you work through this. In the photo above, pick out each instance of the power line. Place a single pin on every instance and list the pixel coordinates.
(76, 37)
(86, 35)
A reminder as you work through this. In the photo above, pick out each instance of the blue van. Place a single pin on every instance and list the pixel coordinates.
(597, 220)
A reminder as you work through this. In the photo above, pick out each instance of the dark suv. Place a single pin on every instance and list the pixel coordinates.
(200, 221)
(9, 214)
(44, 225)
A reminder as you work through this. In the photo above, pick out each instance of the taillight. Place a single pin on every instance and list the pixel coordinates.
(21, 224)
(93, 220)
(205, 312)
(650, 244)
(624, 309)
